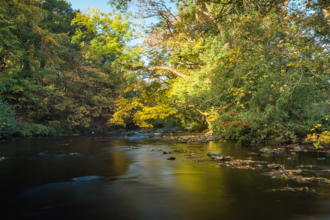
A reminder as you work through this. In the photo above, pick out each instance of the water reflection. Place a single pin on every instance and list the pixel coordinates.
(109, 180)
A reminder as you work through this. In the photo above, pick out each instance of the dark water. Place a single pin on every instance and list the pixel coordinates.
(109, 180)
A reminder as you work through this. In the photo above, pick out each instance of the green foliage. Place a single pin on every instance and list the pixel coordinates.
(199, 127)
(31, 129)
(107, 35)
(47, 77)
(8, 125)
(253, 70)
(173, 122)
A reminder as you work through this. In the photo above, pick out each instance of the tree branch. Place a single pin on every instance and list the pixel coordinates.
(167, 68)
(326, 15)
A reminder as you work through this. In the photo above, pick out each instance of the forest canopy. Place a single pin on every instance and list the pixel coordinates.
(249, 70)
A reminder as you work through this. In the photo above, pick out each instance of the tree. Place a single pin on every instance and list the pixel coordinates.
(8, 125)
(48, 78)
(245, 66)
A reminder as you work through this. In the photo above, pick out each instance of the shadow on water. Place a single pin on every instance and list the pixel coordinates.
(102, 177)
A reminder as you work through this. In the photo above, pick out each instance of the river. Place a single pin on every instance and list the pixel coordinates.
(102, 177)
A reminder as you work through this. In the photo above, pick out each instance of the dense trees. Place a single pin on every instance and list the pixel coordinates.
(251, 70)
(248, 69)
(46, 74)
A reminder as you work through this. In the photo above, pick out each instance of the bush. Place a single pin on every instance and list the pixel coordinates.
(175, 123)
(8, 125)
(29, 130)
(199, 127)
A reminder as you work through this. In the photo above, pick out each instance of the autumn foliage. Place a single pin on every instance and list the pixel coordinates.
(248, 70)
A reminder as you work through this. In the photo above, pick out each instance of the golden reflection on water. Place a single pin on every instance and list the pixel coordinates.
(189, 174)
(213, 146)
(119, 157)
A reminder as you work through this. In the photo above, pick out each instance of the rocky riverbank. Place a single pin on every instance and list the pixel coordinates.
(186, 136)
(192, 138)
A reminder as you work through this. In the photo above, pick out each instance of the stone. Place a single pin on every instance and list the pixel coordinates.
(266, 150)
(214, 153)
(171, 158)
(321, 158)
(292, 146)
(228, 158)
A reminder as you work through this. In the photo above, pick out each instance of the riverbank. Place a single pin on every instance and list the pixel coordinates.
(33, 130)
(181, 136)
(168, 134)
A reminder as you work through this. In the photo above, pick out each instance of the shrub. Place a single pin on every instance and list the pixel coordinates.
(29, 130)
(199, 127)
(8, 124)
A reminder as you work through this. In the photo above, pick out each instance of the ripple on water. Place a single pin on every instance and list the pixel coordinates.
(59, 153)
(86, 178)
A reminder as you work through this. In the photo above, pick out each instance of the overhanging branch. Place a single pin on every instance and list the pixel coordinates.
(167, 68)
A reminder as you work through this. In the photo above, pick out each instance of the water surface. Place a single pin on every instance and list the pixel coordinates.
(101, 177)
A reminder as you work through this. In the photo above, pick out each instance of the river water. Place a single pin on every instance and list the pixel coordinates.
(101, 177)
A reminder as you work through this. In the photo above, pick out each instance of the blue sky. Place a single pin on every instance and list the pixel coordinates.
(85, 4)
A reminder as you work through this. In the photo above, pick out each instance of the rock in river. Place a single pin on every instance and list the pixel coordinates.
(266, 150)
(214, 153)
(216, 158)
(171, 158)
(228, 158)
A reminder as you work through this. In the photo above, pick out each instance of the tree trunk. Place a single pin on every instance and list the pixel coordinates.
(204, 117)
(282, 43)
(284, 17)
(325, 12)
(167, 68)
(326, 16)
